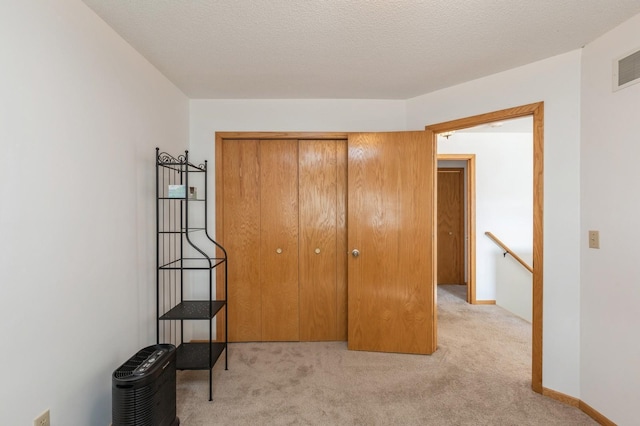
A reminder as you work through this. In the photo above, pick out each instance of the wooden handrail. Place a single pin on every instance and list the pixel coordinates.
(508, 250)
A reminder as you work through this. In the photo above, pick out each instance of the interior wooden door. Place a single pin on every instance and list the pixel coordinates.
(318, 174)
(241, 216)
(451, 226)
(391, 291)
(341, 243)
(279, 240)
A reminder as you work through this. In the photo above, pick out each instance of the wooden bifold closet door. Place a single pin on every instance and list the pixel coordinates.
(322, 187)
(279, 240)
(284, 226)
(284, 200)
(241, 218)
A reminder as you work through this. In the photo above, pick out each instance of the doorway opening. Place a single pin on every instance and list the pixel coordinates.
(536, 111)
(464, 164)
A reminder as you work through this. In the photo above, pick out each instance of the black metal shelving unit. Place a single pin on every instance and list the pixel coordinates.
(187, 258)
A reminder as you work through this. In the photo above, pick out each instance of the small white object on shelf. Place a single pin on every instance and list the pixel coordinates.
(193, 193)
(177, 191)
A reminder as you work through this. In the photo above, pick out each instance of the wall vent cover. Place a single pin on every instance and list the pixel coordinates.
(626, 70)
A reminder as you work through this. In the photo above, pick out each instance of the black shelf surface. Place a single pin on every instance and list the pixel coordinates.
(194, 263)
(182, 231)
(181, 166)
(181, 199)
(195, 356)
(194, 310)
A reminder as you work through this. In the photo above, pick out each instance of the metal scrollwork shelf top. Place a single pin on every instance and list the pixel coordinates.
(167, 159)
(164, 158)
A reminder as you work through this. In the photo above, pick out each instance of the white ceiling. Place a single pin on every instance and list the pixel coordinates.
(360, 49)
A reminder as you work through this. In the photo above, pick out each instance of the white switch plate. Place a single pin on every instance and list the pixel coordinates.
(594, 239)
(42, 420)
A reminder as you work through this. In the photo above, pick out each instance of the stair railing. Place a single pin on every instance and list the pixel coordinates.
(508, 250)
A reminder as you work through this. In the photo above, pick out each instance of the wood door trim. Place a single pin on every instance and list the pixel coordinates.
(536, 110)
(470, 196)
(476, 120)
(282, 135)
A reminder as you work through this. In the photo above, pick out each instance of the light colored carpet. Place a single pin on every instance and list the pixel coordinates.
(480, 375)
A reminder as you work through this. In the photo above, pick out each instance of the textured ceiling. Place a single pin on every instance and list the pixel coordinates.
(375, 49)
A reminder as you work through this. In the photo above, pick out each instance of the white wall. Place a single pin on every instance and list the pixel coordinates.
(80, 115)
(610, 348)
(288, 115)
(513, 284)
(556, 81)
(504, 196)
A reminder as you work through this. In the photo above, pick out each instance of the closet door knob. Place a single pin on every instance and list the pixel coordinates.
(355, 253)
(279, 250)
(317, 250)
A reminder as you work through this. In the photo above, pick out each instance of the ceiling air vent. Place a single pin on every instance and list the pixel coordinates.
(626, 70)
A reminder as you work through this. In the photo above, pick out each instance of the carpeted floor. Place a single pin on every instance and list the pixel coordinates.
(480, 375)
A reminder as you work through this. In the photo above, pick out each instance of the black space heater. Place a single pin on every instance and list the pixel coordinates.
(143, 391)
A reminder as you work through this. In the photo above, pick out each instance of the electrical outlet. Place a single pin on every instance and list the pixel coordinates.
(42, 420)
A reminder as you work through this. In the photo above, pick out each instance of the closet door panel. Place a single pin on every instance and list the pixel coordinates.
(318, 222)
(241, 207)
(279, 239)
(341, 238)
(391, 227)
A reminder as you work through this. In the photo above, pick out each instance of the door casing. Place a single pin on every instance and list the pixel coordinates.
(536, 111)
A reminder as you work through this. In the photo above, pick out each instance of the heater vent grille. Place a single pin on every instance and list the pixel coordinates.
(626, 71)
